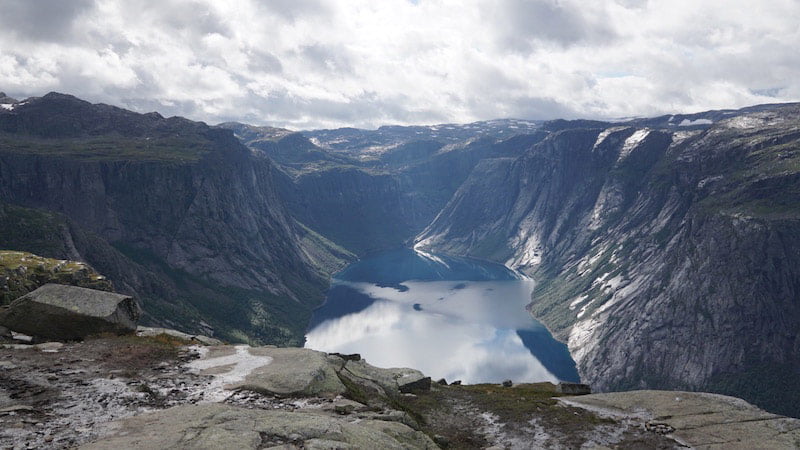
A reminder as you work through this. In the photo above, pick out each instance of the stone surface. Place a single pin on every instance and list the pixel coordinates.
(269, 370)
(390, 380)
(155, 331)
(223, 426)
(60, 312)
(412, 387)
(699, 420)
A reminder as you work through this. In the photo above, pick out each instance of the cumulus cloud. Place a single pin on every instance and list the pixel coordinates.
(314, 63)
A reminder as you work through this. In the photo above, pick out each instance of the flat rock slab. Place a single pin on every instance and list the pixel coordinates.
(269, 370)
(154, 331)
(60, 312)
(223, 426)
(700, 420)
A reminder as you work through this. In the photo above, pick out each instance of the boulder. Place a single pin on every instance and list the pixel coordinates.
(415, 386)
(155, 331)
(277, 371)
(60, 312)
(392, 381)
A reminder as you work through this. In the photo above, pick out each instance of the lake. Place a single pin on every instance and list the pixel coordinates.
(453, 318)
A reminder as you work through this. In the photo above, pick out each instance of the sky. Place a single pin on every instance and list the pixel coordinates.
(305, 64)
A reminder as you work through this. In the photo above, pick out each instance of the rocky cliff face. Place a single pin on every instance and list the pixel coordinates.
(663, 258)
(167, 192)
(373, 190)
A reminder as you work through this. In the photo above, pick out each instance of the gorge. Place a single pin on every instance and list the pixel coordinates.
(664, 251)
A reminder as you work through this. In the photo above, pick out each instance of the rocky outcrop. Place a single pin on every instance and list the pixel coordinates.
(22, 272)
(63, 313)
(697, 420)
(150, 392)
(223, 426)
(303, 372)
(663, 258)
(196, 338)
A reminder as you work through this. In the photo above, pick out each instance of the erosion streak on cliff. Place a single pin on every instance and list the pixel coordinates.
(663, 258)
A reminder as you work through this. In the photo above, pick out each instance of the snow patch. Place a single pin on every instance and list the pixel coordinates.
(581, 337)
(582, 312)
(744, 122)
(529, 247)
(8, 106)
(605, 134)
(690, 123)
(632, 142)
(577, 302)
(430, 257)
(241, 364)
(613, 284)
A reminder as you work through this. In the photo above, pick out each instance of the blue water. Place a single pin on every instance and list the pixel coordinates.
(449, 317)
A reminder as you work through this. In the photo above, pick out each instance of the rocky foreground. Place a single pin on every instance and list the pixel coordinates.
(161, 390)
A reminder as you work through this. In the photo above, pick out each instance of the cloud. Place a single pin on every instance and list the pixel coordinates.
(521, 24)
(312, 63)
(42, 20)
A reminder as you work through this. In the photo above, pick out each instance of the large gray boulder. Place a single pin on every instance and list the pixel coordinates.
(268, 370)
(60, 312)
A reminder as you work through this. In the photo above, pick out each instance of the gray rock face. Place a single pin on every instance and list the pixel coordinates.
(303, 372)
(663, 258)
(61, 312)
(175, 195)
(389, 382)
(698, 420)
(222, 426)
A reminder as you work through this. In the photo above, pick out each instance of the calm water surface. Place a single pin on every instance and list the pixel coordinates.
(448, 317)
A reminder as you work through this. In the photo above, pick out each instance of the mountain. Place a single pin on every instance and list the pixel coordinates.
(665, 250)
(663, 257)
(370, 200)
(176, 212)
(363, 143)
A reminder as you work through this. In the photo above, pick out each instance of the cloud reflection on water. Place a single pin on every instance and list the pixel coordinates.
(459, 332)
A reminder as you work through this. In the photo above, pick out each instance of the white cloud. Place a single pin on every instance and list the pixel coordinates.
(315, 63)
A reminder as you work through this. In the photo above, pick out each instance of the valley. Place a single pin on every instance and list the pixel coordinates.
(663, 251)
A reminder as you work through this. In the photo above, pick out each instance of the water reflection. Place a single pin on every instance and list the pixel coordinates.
(448, 317)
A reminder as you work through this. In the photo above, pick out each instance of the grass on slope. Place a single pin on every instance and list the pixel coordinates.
(110, 148)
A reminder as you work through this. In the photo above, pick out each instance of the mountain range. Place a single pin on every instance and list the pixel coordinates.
(665, 250)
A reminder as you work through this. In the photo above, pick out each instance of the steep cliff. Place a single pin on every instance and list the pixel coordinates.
(185, 201)
(373, 190)
(663, 258)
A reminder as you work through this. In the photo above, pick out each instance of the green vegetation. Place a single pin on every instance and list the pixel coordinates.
(22, 272)
(35, 231)
(237, 315)
(446, 410)
(179, 149)
(773, 387)
(327, 255)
